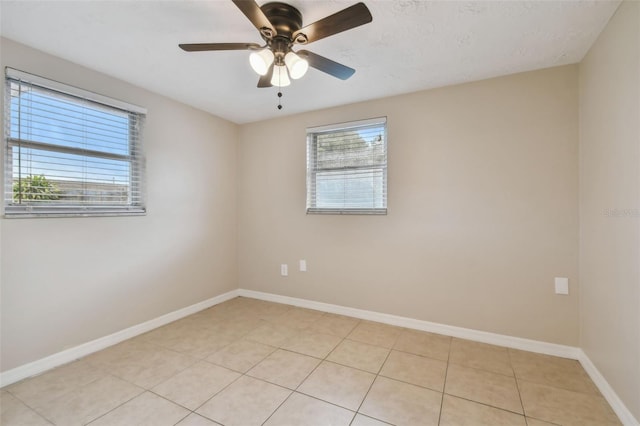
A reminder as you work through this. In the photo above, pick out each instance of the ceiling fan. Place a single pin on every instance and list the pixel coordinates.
(280, 26)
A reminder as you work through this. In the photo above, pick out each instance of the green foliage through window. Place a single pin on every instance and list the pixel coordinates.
(35, 188)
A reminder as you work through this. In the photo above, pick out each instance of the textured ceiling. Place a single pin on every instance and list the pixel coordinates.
(409, 46)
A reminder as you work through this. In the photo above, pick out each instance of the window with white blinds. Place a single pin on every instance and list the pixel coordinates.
(347, 168)
(70, 152)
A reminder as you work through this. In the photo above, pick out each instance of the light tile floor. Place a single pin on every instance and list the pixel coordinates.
(249, 362)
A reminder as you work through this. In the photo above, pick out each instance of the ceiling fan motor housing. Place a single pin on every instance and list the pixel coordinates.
(285, 18)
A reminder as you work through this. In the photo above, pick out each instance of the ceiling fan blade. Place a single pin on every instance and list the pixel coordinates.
(323, 64)
(201, 47)
(346, 19)
(257, 17)
(265, 80)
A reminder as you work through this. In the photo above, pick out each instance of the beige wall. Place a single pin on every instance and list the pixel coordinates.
(68, 281)
(483, 199)
(483, 214)
(482, 217)
(610, 204)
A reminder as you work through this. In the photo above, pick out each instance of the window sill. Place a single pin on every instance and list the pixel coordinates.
(375, 212)
(67, 214)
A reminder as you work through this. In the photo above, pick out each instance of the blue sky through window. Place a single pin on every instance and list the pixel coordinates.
(68, 123)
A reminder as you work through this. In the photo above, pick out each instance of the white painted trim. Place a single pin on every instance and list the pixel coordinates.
(448, 330)
(71, 354)
(571, 352)
(347, 125)
(66, 356)
(607, 391)
(72, 90)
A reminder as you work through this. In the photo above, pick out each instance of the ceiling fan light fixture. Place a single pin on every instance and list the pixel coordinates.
(296, 65)
(261, 61)
(280, 76)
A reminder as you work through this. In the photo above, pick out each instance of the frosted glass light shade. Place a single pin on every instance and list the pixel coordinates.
(280, 77)
(261, 61)
(297, 66)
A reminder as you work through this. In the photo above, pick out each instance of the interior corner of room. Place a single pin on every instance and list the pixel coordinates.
(495, 189)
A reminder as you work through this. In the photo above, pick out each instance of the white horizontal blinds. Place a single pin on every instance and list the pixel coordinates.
(67, 154)
(347, 168)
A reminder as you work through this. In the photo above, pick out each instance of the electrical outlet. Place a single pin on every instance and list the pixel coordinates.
(303, 265)
(284, 270)
(562, 285)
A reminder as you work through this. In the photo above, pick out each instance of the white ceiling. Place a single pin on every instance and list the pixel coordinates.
(409, 46)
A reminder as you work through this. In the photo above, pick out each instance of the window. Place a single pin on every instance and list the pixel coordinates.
(69, 151)
(347, 168)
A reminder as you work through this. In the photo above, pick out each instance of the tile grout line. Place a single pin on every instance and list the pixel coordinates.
(244, 374)
(444, 384)
(314, 369)
(374, 380)
(148, 389)
(198, 359)
(30, 407)
(325, 359)
(488, 405)
(119, 405)
(517, 387)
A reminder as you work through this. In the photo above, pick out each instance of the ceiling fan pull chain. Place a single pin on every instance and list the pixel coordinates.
(279, 99)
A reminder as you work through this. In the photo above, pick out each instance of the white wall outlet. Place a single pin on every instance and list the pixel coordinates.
(284, 270)
(562, 285)
(303, 265)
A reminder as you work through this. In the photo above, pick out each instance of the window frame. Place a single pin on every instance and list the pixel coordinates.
(135, 158)
(313, 170)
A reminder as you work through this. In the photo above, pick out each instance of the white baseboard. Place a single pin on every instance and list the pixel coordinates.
(607, 391)
(571, 352)
(68, 355)
(71, 354)
(448, 330)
